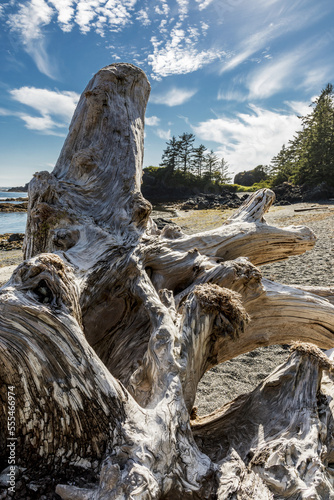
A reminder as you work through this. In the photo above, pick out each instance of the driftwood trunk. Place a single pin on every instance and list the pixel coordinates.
(109, 324)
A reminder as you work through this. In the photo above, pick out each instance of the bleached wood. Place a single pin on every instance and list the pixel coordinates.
(108, 326)
(282, 432)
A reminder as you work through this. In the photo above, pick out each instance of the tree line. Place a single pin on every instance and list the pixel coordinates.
(181, 154)
(309, 156)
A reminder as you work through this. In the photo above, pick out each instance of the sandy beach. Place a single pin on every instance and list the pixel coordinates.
(242, 374)
(314, 268)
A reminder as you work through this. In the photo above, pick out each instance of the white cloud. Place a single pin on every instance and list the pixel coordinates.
(143, 17)
(85, 14)
(202, 4)
(183, 8)
(66, 10)
(47, 102)
(164, 134)
(41, 123)
(299, 107)
(174, 97)
(250, 139)
(152, 121)
(179, 55)
(162, 9)
(55, 109)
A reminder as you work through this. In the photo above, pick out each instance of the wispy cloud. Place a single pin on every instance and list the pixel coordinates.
(33, 15)
(249, 139)
(232, 95)
(267, 21)
(300, 107)
(271, 78)
(202, 4)
(164, 134)
(54, 108)
(173, 97)
(290, 68)
(28, 22)
(254, 43)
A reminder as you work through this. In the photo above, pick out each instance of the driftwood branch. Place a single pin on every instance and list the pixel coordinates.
(109, 324)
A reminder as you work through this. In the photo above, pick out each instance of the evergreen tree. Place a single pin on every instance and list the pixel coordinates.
(186, 150)
(211, 162)
(309, 157)
(198, 159)
(170, 155)
(224, 175)
(282, 165)
(315, 158)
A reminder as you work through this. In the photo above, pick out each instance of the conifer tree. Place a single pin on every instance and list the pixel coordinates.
(199, 159)
(170, 156)
(186, 150)
(309, 157)
(211, 162)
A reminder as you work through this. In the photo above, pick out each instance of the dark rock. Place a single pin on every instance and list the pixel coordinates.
(16, 237)
(210, 201)
(287, 193)
(11, 241)
(322, 192)
(13, 207)
(161, 223)
(19, 189)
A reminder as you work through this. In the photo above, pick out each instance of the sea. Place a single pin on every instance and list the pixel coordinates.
(12, 222)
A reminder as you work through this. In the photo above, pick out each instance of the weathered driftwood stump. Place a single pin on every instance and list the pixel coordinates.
(109, 324)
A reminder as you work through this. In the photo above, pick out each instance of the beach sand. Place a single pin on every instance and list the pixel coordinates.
(244, 373)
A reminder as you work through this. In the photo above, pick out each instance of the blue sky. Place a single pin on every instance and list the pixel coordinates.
(233, 72)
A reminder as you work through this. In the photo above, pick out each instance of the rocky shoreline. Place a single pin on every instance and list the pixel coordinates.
(13, 207)
(11, 241)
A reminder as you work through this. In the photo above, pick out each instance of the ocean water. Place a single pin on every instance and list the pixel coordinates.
(15, 222)
(5, 194)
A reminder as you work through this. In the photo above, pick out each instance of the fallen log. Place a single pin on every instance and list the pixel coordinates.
(305, 209)
(108, 325)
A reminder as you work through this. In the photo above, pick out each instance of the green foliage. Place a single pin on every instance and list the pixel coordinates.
(181, 155)
(152, 170)
(309, 156)
(250, 177)
(179, 178)
(183, 165)
(233, 188)
(237, 188)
